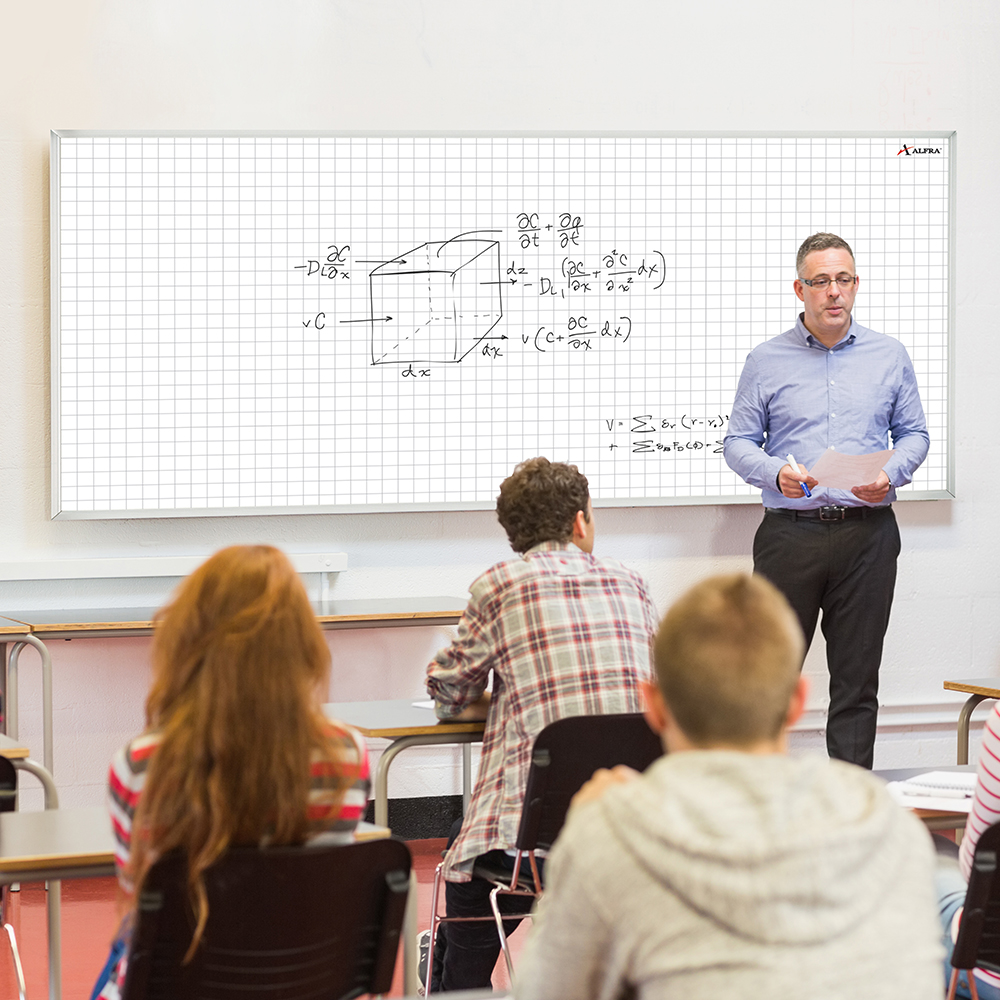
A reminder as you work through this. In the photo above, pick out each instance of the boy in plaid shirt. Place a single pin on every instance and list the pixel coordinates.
(563, 633)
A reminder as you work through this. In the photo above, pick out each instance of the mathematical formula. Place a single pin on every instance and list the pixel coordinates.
(470, 308)
(647, 434)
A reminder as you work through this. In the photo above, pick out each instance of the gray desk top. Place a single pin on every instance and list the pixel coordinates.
(371, 613)
(394, 718)
(11, 627)
(55, 839)
(905, 773)
(11, 748)
(61, 843)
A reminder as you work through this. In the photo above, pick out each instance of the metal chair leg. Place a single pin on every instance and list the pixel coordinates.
(12, 941)
(502, 934)
(435, 925)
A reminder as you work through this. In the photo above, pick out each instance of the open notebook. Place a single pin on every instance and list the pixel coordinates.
(947, 790)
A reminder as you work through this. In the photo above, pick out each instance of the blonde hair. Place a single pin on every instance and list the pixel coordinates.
(728, 656)
(238, 659)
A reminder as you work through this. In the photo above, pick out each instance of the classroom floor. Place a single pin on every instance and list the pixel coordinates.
(90, 916)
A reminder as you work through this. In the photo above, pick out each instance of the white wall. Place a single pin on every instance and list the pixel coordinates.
(450, 65)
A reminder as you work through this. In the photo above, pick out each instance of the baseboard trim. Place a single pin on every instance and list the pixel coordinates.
(421, 818)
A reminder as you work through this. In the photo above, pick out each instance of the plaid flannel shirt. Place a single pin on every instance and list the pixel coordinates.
(564, 634)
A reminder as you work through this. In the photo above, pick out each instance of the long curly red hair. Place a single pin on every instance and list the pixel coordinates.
(238, 662)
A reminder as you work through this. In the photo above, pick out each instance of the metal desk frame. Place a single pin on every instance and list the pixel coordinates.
(979, 690)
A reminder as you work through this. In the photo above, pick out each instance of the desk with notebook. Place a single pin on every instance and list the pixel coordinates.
(937, 814)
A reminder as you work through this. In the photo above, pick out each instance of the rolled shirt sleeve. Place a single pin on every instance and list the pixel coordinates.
(458, 675)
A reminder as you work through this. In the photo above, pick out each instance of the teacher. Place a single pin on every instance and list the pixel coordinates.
(830, 382)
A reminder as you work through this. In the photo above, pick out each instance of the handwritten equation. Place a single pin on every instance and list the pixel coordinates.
(468, 296)
(647, 434)
(566, 230)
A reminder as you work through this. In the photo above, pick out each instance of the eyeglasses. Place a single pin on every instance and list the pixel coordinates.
(844, 280)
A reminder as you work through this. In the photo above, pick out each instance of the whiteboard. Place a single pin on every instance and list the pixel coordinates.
(308, 323)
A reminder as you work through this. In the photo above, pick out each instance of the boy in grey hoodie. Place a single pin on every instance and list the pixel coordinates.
(730, 869)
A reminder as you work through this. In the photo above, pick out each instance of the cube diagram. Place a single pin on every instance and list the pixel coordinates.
(435, 302)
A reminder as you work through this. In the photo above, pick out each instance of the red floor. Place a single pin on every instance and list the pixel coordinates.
(90, 916)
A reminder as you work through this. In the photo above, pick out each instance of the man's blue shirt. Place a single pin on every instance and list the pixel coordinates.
(797, 396)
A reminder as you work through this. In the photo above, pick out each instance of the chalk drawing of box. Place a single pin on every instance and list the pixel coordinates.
(441, 300)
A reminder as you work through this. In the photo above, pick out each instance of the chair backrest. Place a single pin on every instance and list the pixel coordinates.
(8, 785)
(566, 753)
(978, 944)
(283, 922)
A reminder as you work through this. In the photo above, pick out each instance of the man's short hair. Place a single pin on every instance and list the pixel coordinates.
(819, 241)
(539, 501)
(727, 658)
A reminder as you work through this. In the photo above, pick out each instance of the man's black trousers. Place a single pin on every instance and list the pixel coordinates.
(848, 569)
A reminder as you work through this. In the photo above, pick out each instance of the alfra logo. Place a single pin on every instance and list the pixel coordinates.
(915, 151)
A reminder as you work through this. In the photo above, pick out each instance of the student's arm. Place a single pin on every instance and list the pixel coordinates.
(457, 676)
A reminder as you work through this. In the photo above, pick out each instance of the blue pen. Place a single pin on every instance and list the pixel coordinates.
(795, 466)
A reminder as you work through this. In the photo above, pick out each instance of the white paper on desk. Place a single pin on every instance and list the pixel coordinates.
(898, 793)
(423, 704)
(837, 471)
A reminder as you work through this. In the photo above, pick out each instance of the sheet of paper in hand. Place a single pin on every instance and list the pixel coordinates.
(838, 471)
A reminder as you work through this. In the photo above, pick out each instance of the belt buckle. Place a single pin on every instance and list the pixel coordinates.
(832, 513)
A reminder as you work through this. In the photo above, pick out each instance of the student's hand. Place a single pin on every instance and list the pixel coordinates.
(874, 492)
(790, 481)
(475, 711)
(601, 781)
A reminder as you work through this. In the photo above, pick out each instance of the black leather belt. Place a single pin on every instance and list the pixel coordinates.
(830, 513)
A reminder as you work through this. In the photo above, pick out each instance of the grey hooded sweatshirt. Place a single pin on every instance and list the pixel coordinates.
(721, 874)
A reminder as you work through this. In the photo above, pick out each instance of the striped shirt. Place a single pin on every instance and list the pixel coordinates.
(127, 776)
(564, 634)
(985, 809)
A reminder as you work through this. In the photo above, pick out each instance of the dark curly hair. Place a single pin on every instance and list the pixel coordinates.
(539, 501)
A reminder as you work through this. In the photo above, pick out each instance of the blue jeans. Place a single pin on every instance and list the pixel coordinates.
(950, 890)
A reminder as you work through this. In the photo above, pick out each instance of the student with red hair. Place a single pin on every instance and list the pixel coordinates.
(236, 748)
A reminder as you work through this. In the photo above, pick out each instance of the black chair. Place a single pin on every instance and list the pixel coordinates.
(978, 944)
(566, 753)
(284, 923)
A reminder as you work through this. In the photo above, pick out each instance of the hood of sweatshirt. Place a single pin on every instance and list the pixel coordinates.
(780, 850)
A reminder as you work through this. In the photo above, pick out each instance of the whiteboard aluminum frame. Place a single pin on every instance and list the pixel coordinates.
(56, 135)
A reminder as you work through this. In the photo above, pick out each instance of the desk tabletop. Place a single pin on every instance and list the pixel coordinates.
(988, 687)
(56, 838)
(934, 818)
(395, 718)
(99, 622)
(60, 840)
(369, 831)
(905, 773)
(12, 627)
(12, 749)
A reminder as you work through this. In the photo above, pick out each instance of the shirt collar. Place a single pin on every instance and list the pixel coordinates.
(809, 340)
(550, 547)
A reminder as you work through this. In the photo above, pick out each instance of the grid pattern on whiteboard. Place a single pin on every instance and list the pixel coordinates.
(289, 322)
